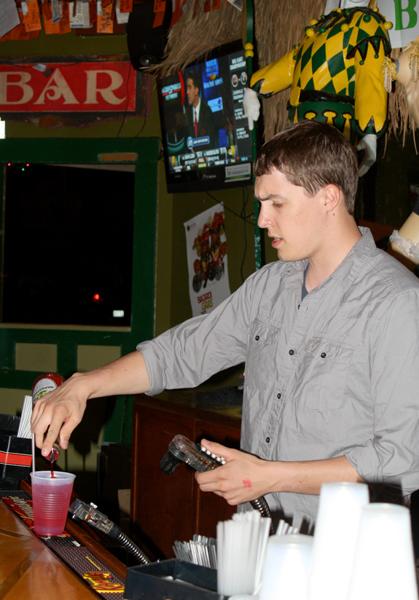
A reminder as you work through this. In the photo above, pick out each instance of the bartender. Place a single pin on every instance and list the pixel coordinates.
(328, 334)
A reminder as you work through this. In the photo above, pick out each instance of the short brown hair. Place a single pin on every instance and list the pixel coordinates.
(312, 155)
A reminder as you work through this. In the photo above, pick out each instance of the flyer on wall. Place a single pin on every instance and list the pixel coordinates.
(206, 247)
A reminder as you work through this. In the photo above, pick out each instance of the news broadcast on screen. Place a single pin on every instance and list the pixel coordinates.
(206, 139)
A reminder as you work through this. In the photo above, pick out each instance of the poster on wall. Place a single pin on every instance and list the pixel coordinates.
(206, 247)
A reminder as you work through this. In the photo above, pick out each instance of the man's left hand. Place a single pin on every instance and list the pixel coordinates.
(242, 478)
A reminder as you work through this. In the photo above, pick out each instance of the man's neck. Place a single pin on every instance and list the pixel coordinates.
(322, 264)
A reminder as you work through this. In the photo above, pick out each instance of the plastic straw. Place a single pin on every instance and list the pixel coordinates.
(241, 544)
(33, 453)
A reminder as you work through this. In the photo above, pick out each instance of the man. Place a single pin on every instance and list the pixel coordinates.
(329, 335)
(199, 115)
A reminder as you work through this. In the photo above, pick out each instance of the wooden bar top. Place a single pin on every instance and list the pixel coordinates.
(29, 570)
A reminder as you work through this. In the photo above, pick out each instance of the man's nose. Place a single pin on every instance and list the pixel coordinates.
(263, 219)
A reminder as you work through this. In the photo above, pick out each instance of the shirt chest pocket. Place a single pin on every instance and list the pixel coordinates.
(260, 361)
(323, 374)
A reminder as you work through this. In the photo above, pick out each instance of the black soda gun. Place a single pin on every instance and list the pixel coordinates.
(88, 513)
(182, 449)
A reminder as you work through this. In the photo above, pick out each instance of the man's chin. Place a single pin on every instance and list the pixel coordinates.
(285, 256)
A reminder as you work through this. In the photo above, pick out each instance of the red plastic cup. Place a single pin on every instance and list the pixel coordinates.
(50, 500)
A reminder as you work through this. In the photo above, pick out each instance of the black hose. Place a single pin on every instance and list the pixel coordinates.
(262, 506)
(130, 547)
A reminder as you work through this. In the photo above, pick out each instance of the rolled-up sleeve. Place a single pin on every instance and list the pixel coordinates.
(392, 453)
(191, 352)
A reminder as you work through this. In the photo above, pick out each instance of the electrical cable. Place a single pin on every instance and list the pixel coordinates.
(249, 218)
(125, 114)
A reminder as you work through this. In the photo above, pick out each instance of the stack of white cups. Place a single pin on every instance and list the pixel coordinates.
(287, 567)
(384, 564)
(360, 551)
(335, 538)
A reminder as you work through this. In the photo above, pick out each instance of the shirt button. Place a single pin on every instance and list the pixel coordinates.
(291, 352)
(267, 440)
(278, 395)
(323, 354)
(257, 338)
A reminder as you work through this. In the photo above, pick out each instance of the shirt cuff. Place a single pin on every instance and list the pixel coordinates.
(154, 368)
(366, 462)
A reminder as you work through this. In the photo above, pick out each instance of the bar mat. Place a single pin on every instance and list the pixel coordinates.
(94, 572)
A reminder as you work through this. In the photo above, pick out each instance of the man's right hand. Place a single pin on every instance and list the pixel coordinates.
(56, 414)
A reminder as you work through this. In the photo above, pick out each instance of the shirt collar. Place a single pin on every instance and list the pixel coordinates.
(197, 107)
(346, 270)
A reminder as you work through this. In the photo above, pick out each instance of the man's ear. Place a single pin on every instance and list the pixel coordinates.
(332, 197)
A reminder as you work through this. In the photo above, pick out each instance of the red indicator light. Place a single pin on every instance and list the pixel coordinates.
(96, 297)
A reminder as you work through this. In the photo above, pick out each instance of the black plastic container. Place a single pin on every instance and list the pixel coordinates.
(171, 580)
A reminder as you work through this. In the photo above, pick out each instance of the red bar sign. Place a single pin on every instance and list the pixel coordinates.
(92, 87)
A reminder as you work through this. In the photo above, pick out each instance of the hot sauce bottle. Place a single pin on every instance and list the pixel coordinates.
(43, 384)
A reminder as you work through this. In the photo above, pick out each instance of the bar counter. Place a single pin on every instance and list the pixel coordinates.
(29, 570)
(73, 566)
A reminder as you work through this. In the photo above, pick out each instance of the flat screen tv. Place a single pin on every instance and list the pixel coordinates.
(206, 139)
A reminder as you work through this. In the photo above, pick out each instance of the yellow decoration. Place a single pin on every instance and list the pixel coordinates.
(330, 116)
(389, 73)
(388, 25)
(275, 79)
(338, 67)
(248, 49)
(370, 94)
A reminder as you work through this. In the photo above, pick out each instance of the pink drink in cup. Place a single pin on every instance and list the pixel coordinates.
(51, 499)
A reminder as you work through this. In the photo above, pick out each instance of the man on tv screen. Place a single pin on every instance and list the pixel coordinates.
(200, 119)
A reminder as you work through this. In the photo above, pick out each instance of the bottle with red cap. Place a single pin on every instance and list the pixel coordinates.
(44, 384)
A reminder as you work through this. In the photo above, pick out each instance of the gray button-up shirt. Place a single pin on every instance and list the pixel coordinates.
(334, 374)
